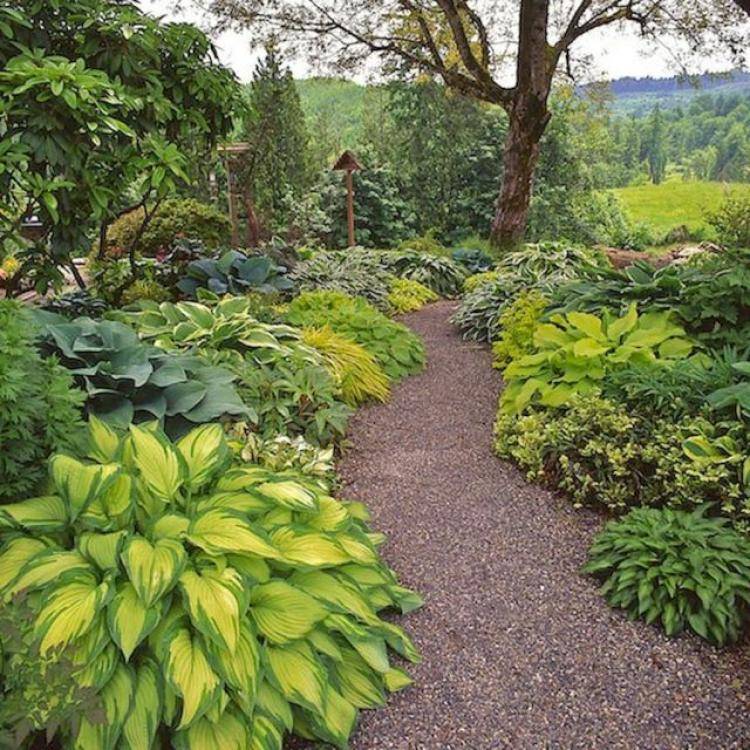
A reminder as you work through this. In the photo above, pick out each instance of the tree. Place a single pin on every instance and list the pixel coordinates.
(655, 147)
(97, 122)
(463, 43)
(277, 165)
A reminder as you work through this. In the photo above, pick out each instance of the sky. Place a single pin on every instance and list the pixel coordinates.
(616, 52)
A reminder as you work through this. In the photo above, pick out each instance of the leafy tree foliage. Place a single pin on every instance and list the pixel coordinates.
(103, 108)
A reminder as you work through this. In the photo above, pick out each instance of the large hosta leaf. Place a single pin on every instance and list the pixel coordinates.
(265, 735)
(241, 668)
(219, 531)
(153, 568)
(157, 461)
(284, 613)
(15, 555)
(79, 483)
(143, 721)
(117, 698)
(204, 451)
(334, 591)
(212, 599)
(308, 547)
(289, 494)
(229, 732)
(190, 675)
(130, 620)
(69, 611)
(298, 674)
(46, 567)
(41, 514)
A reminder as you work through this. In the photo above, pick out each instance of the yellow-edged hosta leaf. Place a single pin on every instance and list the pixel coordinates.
(113, 506)
(332, 515)
(69, 611)
(229, 732)
(298, 674)
(170, 525)
(40, 514)
(396, 679)
(117, 698)
(240, 669)
(190, 675)
(367, 575)
(153, 568)
(368, 645)
(406, 599)
(289, 494)
(212, 601)
(254, 569)
(98, 670)
(102, 549)
(308, 548)
(204, 451)
(157, 461)
(129, 620)
(284, 613)
(140, 727)
(357, 548)
(218, 531)
(359, 684)
(265, 735)
(79, 483)
(339, 593)
(14, 556)
(337, 721)
(397, 639)
(272, 703)
(104, 442)
(87, 647)
(47, 567)
(358, 510)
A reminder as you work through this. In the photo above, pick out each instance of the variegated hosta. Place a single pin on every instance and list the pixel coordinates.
(221, 605)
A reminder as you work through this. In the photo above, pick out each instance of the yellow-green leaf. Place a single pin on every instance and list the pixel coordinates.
(104, 442)
(212, 601)
(79, 483)
(191, 675)
(102, 549)
(229, 732)
(15, 555)
(129, 620)
(240, 669)
(298, 674)
(265, 735)
(117, 698)
(289, 494)
(153, 568)
(42, 514)
(308, 548)
(284, 613)
(204, 451)
(396, 679)
(219, 531)
(142, 723)
(157, 461)
(46, 567)
(341, 594)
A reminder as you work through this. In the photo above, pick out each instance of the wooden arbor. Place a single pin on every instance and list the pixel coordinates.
(348, 163)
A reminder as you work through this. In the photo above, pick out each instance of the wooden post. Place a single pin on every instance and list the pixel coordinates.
(347, 163)
(350, 205)
(233, 153)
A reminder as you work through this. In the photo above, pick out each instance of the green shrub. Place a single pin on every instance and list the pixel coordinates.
(517, 324)
(40, 409)
(395, 348)
(407, 295)
(478, 279)
(574, 352)
(145, 289)
(590, 449)
(128, 381)
(732, 220)
(283, 383)
(205, 603)
(234, 273)
(175, 218)
(426, 243)
(473, 260)
(356, 272)
(682, 569)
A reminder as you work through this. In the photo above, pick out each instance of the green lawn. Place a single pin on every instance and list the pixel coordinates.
(674, 202)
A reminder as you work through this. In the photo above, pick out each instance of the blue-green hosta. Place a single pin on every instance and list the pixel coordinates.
(573, 353)
(219, 605)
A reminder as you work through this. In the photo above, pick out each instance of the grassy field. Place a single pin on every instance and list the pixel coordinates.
(675, 202)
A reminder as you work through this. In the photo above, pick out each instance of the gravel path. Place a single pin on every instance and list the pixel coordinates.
(519, 649)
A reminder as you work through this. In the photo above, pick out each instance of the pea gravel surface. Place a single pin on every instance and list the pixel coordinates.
(519, 650)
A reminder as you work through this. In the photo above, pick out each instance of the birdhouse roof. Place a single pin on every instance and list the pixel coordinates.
(347, 162)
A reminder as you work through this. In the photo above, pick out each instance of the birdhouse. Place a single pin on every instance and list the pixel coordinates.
(349, 164)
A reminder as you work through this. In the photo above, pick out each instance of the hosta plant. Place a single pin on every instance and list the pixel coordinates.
(684, 570)
(573, 353)
(407, 295)
(551, 260)
(209, 605)
(234, 273)
(125, 380)
(394, 347)
(517, 325)
(478, 316)
(477, 279)
(444, 276)
(358, 375)
(473, 260)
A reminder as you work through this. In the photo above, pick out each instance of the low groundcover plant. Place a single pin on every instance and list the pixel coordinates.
(208, 603)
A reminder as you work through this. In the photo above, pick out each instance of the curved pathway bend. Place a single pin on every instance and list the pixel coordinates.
(519, 649)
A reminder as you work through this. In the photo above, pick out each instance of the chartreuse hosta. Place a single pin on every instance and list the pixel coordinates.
(210, 605)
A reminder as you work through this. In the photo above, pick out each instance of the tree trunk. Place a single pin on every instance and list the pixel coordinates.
(252, 230)
(520, 158)
(528, 117)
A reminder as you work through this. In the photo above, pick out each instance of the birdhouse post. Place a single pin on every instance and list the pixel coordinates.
(232, 154)
(347, 163)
